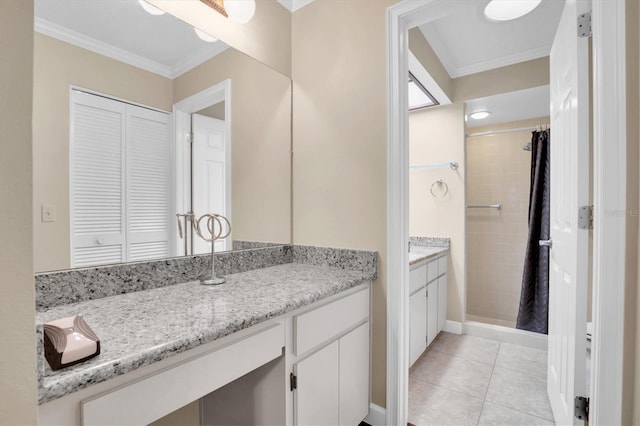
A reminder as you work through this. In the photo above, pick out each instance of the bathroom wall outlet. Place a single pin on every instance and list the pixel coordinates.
(48, 213)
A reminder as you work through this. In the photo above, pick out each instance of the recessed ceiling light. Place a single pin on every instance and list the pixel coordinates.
(506, 10)
(150, 8)
(479, 115)
(204, 36)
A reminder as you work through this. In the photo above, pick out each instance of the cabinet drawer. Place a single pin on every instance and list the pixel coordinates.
(432, 273)
(417, 279)
(442, 265)
(153, 397)
(320, 325)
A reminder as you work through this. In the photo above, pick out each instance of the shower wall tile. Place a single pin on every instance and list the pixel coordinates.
(498, 171)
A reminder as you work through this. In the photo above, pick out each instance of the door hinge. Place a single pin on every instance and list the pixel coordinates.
(585, 217)
(190, 138)
(584, 25)
(293, 380)
(581, 410)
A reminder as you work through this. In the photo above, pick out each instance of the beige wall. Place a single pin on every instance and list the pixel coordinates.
(423, 52)
(57, 66)
(267, 37)
(633, 21)
(214, 111)
(498, 171)
(17, 317)
(510, 78)
(261, 134)
(631, 382)
(339, 134)
(436, 135)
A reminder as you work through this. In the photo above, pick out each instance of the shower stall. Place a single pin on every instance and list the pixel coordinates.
(498, 159)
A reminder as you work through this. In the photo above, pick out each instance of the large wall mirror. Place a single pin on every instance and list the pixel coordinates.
(137, 118)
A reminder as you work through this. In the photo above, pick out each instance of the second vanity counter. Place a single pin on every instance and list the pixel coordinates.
(419, 254)
(143, 327)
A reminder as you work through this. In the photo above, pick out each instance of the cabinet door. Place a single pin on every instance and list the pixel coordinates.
(442, 302)
(354, 376)
(432, 311)
(317, 398)
(417, 325)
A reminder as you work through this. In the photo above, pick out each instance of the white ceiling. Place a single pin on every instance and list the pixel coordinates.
(466, 42)
(512, 106)
(122, 30)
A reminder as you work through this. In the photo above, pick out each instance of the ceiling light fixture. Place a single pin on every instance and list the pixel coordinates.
(204, 36)
(150, 8)
(479, 115)
(238, 11)
(506, 10)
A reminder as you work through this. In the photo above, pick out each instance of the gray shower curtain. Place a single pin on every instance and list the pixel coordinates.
(533, 314)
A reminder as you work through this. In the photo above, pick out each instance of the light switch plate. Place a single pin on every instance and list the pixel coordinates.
(48, 213)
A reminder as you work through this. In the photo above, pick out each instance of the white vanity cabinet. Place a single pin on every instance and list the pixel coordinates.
(427, 304)
(417, 312)
(310, 366)
(432, 311)
(330, 378)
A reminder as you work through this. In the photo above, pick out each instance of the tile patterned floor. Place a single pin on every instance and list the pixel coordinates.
(466, 380)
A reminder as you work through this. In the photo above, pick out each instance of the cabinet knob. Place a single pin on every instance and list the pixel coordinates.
(100, 241)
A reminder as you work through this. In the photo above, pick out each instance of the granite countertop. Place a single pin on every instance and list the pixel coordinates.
(140, 328)
(418, 254)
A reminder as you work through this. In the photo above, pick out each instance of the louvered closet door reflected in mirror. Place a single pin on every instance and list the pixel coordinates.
(120, 181)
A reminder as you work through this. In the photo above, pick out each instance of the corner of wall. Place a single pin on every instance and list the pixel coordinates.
(18, 399)
(423, 51)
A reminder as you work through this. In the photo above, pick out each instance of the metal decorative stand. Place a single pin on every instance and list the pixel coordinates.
(215, 226)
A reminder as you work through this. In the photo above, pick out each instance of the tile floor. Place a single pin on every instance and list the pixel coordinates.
(466, 380)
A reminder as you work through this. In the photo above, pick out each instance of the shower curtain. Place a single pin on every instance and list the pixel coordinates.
(533, 314)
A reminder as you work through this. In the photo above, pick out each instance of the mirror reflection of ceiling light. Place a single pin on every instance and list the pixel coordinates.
(204, 36)
(150, 8)
(506, 10)
(479, 115)
(240, 11)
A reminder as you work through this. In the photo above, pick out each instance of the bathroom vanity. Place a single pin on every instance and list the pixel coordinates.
(288, 343)
(427, 295)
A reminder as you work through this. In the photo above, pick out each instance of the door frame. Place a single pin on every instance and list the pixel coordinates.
(609, 115)
(182, 111)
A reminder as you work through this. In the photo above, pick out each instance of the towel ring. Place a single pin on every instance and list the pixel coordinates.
(440, 183)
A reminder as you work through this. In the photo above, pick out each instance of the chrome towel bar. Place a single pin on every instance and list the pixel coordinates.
(485, 206)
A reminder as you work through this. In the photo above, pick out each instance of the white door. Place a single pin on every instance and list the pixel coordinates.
(354, 376)
(316, 398)
(97, 180)
(211, 175)
(432, 311)
(417, 325)
(149, 192)
(569, 189)
(442, 302)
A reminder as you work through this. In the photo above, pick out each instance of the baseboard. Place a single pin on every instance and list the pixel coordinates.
(377, 416)
(454, 327)
(506, 334)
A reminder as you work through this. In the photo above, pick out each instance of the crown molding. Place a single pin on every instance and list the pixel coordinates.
(293, 5)
(502, 61)
(197, 58)
(77, 39)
